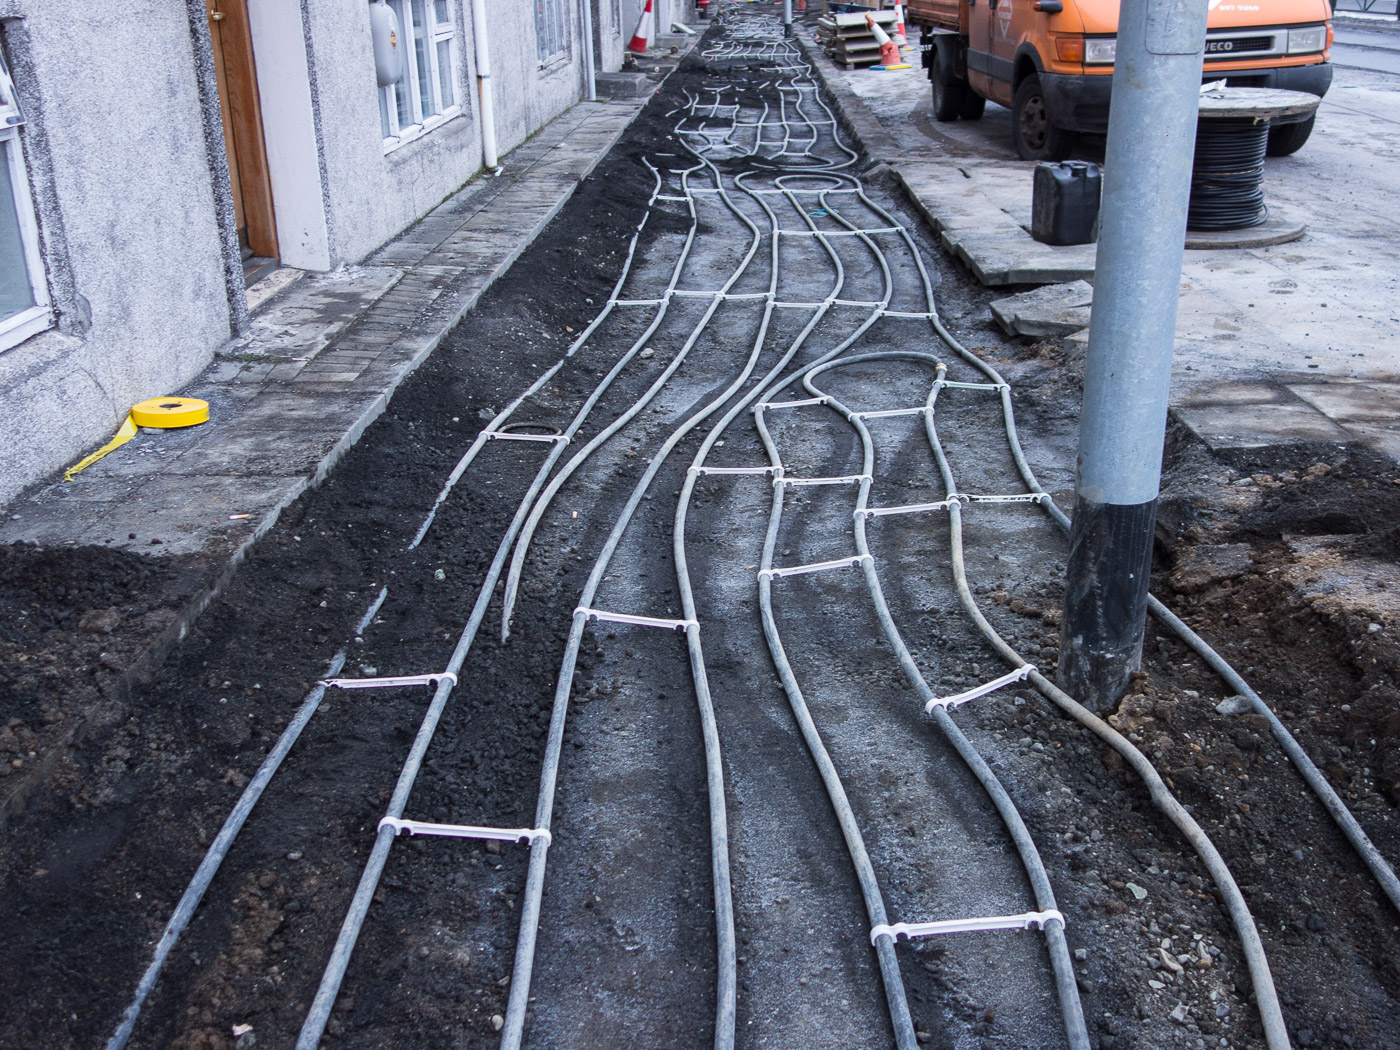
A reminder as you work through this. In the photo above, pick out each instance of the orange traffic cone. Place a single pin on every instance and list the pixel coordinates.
(900, 37)
(643, 31)
(890, 58)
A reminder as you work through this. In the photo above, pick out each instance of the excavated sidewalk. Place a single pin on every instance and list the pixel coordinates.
(323, 358)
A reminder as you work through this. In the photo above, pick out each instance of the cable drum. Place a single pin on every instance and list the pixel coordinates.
(1227, 178)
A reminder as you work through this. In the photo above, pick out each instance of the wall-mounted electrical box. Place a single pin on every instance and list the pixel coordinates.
(388, 43)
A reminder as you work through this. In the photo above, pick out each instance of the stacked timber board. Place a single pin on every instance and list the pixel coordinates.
(847, 38)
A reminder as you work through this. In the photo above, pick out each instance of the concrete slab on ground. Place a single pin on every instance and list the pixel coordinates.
(1293, 409)
(1054, 309)
(992, 241)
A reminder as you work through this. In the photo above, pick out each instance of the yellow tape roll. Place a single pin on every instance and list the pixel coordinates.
(168, 412)
(162, 412)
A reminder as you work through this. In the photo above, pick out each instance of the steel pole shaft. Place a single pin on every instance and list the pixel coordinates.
(1147, 181)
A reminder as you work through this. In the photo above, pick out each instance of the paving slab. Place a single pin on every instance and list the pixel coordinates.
(1254, 415)
(1055, 309)
(1369, 410)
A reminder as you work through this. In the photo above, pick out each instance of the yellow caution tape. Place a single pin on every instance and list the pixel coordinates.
(125, 434)
(162, 412)
(167, 412)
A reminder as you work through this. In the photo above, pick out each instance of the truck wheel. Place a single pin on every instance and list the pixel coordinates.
(1289, 138)
(973, 105)
(1035, 137)
(949, 93)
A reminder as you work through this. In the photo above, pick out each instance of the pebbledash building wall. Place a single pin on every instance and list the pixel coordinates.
(147, 148)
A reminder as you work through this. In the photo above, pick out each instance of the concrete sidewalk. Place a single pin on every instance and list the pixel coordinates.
(324, 356)
(1275, 344)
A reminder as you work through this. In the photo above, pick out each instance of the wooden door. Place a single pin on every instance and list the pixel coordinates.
(243, 134)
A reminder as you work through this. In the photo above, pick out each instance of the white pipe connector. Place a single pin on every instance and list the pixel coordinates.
(904, 508)
(844, 479)
(817, 566)
(393, 682)
(640, 621)
(776, 472)
(515, 435)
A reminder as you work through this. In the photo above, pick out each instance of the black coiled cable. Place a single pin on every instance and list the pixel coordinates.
(1227, 178)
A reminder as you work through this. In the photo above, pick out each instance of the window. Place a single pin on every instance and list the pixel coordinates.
(550, 29)
(426, 94)
(24, 294)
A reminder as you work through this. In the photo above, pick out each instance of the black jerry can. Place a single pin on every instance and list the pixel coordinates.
(1065, 202)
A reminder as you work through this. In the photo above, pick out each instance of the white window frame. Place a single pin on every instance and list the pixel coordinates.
(436, 33)
(28, 322)
(558, 11)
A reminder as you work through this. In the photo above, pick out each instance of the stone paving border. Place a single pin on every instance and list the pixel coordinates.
(324, 357)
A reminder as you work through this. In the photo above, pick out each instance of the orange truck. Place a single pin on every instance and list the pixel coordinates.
(1051, 61)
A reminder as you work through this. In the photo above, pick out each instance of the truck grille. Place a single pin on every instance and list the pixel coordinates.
(1223, 47)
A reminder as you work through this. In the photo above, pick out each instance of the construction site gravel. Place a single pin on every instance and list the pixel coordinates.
(726, 735)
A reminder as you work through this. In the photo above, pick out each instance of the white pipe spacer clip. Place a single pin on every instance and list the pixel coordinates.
(1019, 674)
(390, 683)
(1024, 921)
(641, 621)
(818, 566)
(772, 471)
(465, 831)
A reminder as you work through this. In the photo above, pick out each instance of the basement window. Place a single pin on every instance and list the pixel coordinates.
(426, 95)
(24, 293)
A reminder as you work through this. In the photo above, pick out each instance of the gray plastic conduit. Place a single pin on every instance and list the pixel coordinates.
(542, 503)
(233, 824)
(895, 998)
(884, 947)
(1270, 1013)
(545, 377)
(218, 850)
(1346, 822)
(314, 1024)
(1061, 964)
(726, 967)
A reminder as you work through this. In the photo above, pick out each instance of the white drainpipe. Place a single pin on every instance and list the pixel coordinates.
(590, 73)
(483, 78)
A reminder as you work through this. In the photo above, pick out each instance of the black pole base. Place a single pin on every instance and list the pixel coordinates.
(1105, 611)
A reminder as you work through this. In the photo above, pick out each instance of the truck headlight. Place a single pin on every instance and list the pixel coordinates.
(1310, 38)
(1100, 51)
